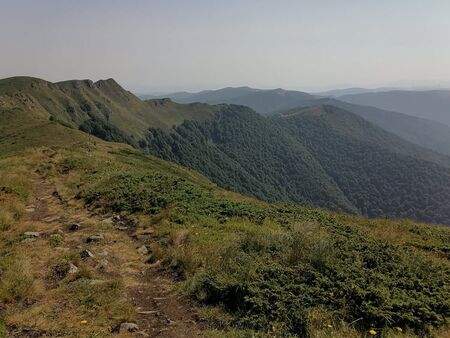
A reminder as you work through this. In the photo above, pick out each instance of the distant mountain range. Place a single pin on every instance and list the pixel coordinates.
(420, 129)
(319, 155)
(433, 104)
(261, 100)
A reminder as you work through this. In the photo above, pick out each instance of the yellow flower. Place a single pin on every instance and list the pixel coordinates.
(372, 332)
(84, 322)
(399, 329)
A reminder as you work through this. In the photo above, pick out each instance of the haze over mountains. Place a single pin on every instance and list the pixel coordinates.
(426, 132)
(323, 155)
(433, 104)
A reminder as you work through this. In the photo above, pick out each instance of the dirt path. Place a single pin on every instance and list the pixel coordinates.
(161, 310)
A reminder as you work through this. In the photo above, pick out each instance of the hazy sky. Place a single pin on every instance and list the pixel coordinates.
(165, 45)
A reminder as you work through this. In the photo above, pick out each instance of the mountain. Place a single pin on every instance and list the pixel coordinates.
(349, 91)
(321, 155)
(432, 104)
(97, 235)
(260, 100)
(102, 108)
(424, 132)
(263, 156)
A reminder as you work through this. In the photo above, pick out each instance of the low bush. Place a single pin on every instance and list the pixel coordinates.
(273, 266)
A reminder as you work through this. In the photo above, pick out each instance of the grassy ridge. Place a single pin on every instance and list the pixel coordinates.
(275, 267)
(259, 269)
(266, 267)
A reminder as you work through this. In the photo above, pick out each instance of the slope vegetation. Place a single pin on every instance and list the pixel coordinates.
(102, 108)
(249, 268)
(400, 116)
(322, 156)
(239, 149)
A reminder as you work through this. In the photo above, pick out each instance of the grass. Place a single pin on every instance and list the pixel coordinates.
(257, 269)
(17, 282)
(273, 266)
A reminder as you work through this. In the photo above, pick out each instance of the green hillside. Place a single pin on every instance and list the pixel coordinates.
(322, 156)
(248, 268)
(417, 127)
(102, 108)
(379, 174)
(340, 162)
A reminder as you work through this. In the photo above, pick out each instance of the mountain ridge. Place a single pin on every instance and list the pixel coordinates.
(430, 104)
(245, 151)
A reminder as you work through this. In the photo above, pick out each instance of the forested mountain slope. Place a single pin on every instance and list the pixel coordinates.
(291, 155)
(416, 128)
(244, 151)
(378, 173)
(270, 157)
(420, 131)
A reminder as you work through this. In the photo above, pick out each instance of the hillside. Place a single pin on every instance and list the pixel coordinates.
(421, 130)
(99, 239)
(323, 156)
(433, 104)
(102, 108)
(244, 151)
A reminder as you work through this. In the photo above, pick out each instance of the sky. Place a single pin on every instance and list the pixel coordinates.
(158, 46)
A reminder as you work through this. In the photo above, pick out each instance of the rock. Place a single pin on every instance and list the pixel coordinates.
(30, 208)
(95, 238)
(73, 268)
(128, 327)
(116, 218)
(121, 227)
(51, 219)
(31, 234)
(156, 313)
(155, 265)
(142, 250)
(86, 254)
(74, 227)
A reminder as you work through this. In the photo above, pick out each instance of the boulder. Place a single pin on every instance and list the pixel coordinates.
(142, 250)
(86, 254)
(31, 234)
(95, 238)
(73, 268)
